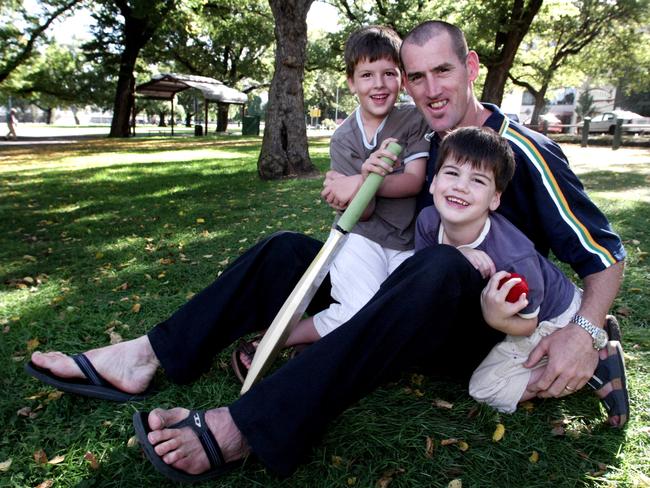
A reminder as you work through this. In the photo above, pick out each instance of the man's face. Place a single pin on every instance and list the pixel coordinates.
(440, 83)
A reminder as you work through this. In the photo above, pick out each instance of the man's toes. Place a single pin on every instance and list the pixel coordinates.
(169, 450)
(160, 419)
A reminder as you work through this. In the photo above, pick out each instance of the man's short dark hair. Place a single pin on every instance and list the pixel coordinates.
(482, 148)
(370, 44)
(425, 31)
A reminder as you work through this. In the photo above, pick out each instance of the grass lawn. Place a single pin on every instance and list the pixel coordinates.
(100, 240)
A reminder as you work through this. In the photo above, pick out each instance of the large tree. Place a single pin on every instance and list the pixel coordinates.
(229, 40)
(126, 26)
(495, 29)
(562, 32)
(284, 148)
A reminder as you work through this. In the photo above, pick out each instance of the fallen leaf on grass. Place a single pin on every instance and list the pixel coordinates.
(448, 442)
(527, 405)
(5, 465)
(431, 447)
(132, 442)
(499, 432)
(115, 338)
(534, 457)
(56, 460)
(200, 221)
(54, 395)
(29, 258)
(457, 483)
(6, 329)
(136, 308)
(99, 255)
(90, 457)
(46, 484)
(26, 412)
(32, 344)
(40, 457)
(352, 481)
(388, 477)
(337, 461)
(442, 404)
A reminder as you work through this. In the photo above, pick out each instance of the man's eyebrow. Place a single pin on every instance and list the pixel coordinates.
(436, 69)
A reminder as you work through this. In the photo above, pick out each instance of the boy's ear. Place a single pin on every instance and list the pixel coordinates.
(351, 86)
(433, 184)
(496, 201)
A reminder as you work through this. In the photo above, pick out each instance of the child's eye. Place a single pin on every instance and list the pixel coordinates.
(480, 181)
(451, 172)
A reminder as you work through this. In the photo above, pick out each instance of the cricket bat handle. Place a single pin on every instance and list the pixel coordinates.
(366, 193)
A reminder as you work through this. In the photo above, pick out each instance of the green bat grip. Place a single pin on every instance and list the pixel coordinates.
(361, 200)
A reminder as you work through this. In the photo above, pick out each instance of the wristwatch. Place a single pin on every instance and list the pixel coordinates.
(598, 335)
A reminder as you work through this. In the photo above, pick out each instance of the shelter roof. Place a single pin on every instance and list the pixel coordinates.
(165, 85)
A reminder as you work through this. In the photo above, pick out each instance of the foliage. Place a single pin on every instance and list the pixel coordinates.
(21, 30)
(93, 228)
(585, 106)
(563, 31)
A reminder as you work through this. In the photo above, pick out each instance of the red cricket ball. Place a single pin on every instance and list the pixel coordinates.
(516, 291)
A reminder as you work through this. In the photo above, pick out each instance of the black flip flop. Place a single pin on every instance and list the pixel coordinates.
(617, 401)
(196, 421)
(93, 385)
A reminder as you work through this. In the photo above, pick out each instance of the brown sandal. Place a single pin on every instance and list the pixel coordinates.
(247, 348)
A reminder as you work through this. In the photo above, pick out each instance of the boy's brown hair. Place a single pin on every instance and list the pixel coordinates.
(370, 44)
(482, 148)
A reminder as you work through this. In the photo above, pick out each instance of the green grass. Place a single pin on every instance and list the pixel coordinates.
(89, 230)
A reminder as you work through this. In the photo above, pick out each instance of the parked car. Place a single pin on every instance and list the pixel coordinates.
(606, 122)
(514, 117)
(554, 124)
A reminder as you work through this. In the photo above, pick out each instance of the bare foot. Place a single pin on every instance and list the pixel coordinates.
(129, 366)
(181, 448)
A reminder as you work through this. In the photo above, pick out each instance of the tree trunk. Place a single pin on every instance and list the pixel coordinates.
(506, 45)
(540, 103)
(284, 148)
(222, 116)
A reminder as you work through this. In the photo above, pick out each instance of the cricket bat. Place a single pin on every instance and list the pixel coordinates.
(295, 305)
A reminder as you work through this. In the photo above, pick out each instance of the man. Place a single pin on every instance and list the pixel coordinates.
(422, 315)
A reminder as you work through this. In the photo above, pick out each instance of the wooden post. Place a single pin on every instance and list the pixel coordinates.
(205, 121)
(616, 142)
(585, 132)
(172, 115)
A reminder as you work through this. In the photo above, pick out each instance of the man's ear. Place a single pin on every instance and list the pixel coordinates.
(472, 65)
(496, 201)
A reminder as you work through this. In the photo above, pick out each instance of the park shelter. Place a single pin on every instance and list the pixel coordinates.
(165, 86)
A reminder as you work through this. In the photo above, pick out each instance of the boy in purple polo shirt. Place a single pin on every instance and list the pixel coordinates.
(473, 168)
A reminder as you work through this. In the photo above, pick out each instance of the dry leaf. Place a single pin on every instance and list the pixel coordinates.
(473, 412)
(5, 465)
(499, 432)
(463, 446)
(46, 484)
(388, 476)
(448, 442)
(99, 255)
(136, 308)
(352, 481)
(56, 460)
(431, 447)
(558, 431)
(416, 379)
(6, 329)
(90, 457)
(337, 461)
(115, 338)
(55, 395)
(29, 258)
(32, 344)
(534, 457)
(200, 221)
(132, 442)
(442, 404)
(24, 412)
(527, 405)
(624, 311)
(40, 457)
(457, 483)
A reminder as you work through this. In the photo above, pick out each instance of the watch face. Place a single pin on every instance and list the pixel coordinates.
(600, 339)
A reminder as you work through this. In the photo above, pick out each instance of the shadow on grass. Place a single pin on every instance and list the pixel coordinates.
(614, 181)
